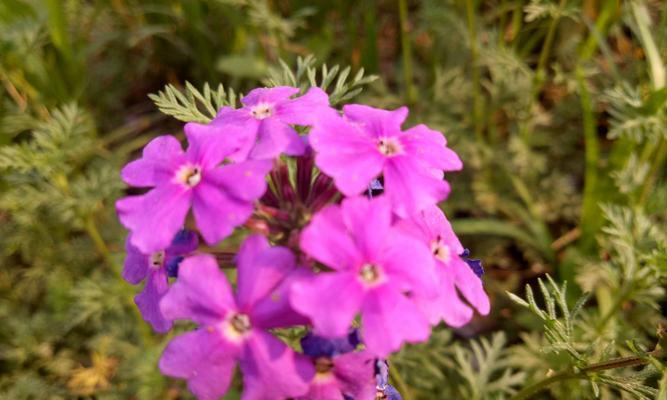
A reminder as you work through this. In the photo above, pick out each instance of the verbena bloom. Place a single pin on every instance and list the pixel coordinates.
(221, 197)
(233, 328)
(340, 372)
(454, 274)
(367, 142)
(156, 268)
(374, 266)
(264, 122)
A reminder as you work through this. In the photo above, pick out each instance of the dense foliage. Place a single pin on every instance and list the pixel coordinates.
(558, 110)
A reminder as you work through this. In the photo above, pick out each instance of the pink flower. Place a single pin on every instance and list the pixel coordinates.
(374, 266)
(155, 269)
(342, 376)
(221, 197)
(234, 328)
(368, 142)
(263, 123)
(454, 274)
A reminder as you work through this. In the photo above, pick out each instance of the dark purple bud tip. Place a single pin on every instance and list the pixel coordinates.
(474, 264)
(316, 346)
(375, 188)
(172, 266)
(389, 393)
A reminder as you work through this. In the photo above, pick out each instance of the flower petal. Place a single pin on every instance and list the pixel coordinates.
(271, 370)
(260, 269)
(345, 152)
(330, 300)
(377, 121)
(431, 147)
(269, 95)
(148, 300)
(136, 263)
(355, 374)
(245, 180)
(369, 221)
(154, 218)
(160, 157)
(204, 359)
(201, 293)
(410, 262)
(275, 137)
(410, 187)
(210, 150)
(326, 239)
(470, 286)
(389, 319)
(217, 213)
(303, 110)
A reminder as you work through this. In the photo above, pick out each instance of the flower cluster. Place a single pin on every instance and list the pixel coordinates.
(345, 243)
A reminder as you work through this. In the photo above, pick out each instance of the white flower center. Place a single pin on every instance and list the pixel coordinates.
(390, 146)
(440, 250)
(240, 323)
(157, 259)
(189, 175)
(262, 110)
(369, 274)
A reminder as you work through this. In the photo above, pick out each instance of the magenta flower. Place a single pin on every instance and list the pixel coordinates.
(374, 266)
(156, 268)
(221, 197)
(234, 328)
(454, 274)
(342, 376)
(263, 123)
(368, 142)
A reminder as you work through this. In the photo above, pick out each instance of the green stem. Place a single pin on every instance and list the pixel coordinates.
(478, 101)
(548, 43)
(622, 362)
(401, 386)
(406, 52)
(656, 167)
(591, 215)
(657, 68)
(98, 241)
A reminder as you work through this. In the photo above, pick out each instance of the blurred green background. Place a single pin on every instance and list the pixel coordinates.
(558, 109)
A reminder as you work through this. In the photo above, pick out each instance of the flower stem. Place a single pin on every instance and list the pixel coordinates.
(478, 101)
(622, 362)
(410, 92)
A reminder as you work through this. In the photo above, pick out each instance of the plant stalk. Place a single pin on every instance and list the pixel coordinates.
(406, 53)
(621, 362)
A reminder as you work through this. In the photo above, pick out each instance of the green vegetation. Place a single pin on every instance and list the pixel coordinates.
(558, 109)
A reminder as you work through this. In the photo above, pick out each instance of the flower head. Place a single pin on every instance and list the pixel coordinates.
(367, 142)
(155, 268)
(454, 274)
(233, 328)
(263, 123)
(340, 372)
(221, 197)
(376, 270)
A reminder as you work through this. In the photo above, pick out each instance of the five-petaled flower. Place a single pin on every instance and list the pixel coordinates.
(454, 274)
(263, 124)
(181, 180)
(156, 268)
(354, 149)
(233, 328)
(376, 271)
